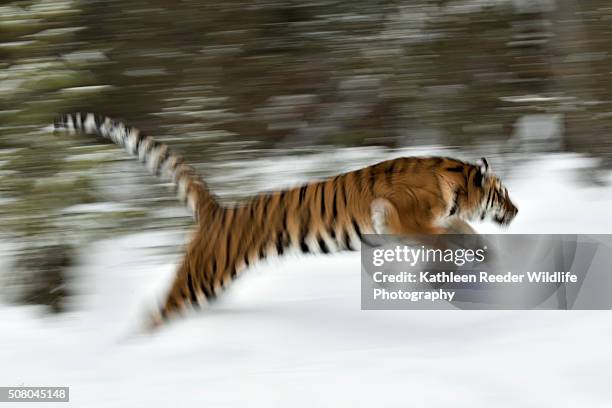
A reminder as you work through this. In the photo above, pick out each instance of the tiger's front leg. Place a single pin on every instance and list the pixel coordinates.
(420, 226)
(458, 226)
(409, 219)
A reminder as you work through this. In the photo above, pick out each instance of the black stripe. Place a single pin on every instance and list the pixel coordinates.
(282, 234)
(141, 137)
(478, 178)
(78, 121)
(437, 161)
(279, 244)
(303, 246)
(283, 205)
(304, 229)
(263, 203)
(282, 196)
(284, 228)
(372, 181)
(323, 245)
(347, 240)
(161, 161)
(458, 169)
(303, 235)
(213, 212)
(98, 120)
(302, 193)
(171, 303)
(390, 171)
(323, 200)
(335, 205)
(455, 206)
(357, 230)
(489, 198)
(59, 122)
(183, 293)
(84, 118)
(192, 292)
(228, 250)
(207, 292)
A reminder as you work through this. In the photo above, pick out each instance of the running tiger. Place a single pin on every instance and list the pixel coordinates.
(407, 196)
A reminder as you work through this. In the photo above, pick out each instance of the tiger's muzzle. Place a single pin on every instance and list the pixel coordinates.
(506, 214)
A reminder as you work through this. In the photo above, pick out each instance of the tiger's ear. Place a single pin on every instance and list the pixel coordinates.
(484, 165)
(483, 169)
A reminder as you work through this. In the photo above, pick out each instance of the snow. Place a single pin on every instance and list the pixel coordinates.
(290, 332)
(95, 208)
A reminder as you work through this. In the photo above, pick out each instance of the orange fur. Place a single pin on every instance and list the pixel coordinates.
(417, 196)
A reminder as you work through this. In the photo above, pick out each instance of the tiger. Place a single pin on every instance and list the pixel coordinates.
(406, 196)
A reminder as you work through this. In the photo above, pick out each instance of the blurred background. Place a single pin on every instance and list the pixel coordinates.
(228, 82)
(268, 93)
(237, 82)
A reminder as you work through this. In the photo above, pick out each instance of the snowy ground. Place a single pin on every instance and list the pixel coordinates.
(291, 332)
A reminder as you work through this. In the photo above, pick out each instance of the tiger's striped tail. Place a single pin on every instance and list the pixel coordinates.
(156, 156)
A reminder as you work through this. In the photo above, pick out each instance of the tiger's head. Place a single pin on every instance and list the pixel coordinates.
(490, 196)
